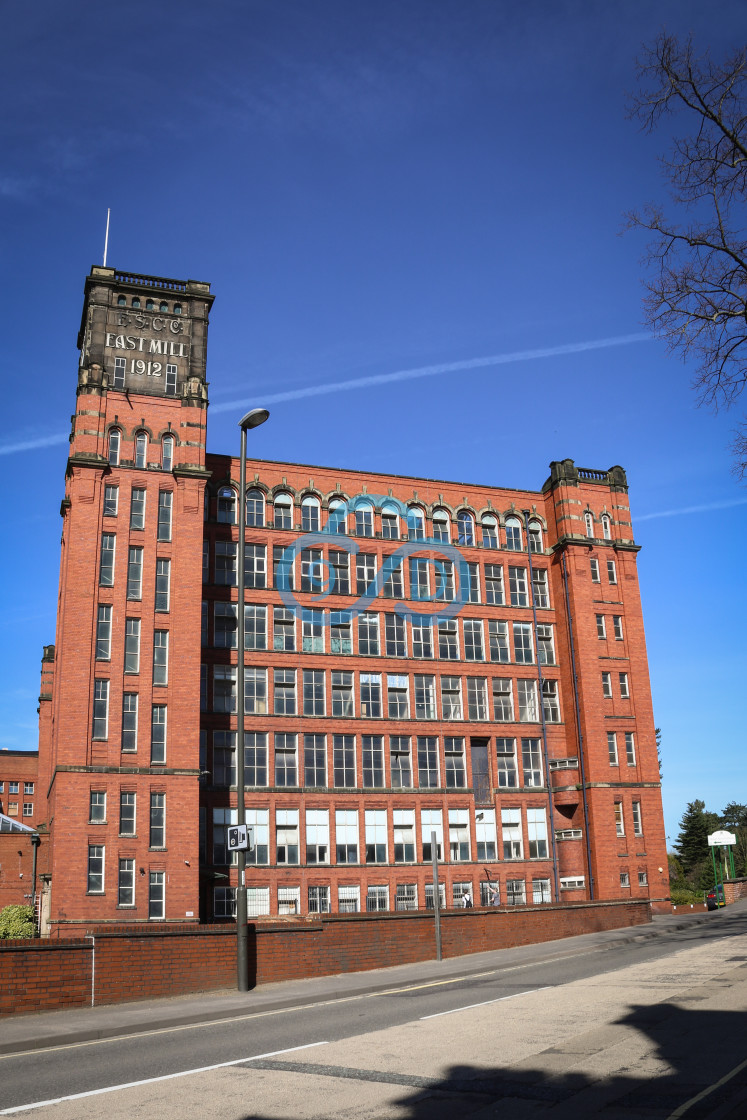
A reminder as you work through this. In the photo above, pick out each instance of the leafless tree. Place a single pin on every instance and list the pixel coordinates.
(697, 286)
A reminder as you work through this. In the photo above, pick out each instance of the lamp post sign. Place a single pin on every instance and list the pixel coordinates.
(240, 838)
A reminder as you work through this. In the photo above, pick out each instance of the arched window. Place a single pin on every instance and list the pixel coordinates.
(364, 520)
(441, 526)
(390, 521)
(150, 305)
(415, 523)
(465, 528)
(121, 301)
(283, 511)
(177, 309)
(163, 307)
(136, 303)
(141, 450)
(535, 537)
(255, 507)
(167, 452)
(227, 505)
(513, 534)
(489, 531)
(310, 514)
(606, 527)
(337, 522)
(115, 441)
(589, 522)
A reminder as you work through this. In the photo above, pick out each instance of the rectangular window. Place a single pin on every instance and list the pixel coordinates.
(226, 564)
(444, 578)
(222, 818)
(539, 588)
(158, 820)
(370, 684)
(431, 820)
(95, 869)
(315, 761)
(642, 878)
(257, 901)
(137, 508)
(399, 762)
(427, 761)
(100, 728)
(160, 657)
(550, 704)
(120, 364)
(255, 566)
(313, 692)
(127, 813)
(255, 758)
(517, 587)
(459, 835)
(226, 625)
(156, 895)
(286, 836)
(343, 761)
(617, 624)
(422, 638)
(163, 584)
(607, 685)
(377, 898)
(165, 503)
(395, 635)
(284, 633)
(28, 787)
(448, 639)
(346, 835)
(485, 835)
(601, 626)
(392, 586)
(312, 570)
(255, 626)
(111, 501)
(206, 561)
(537, 833)
(429, 904)
(425, 697)
(473, 583)
(126, 883)
(365, 574)
(368, 634)
(312, 628)
(204, 623)
(508, 775)
(97, 807)
(284, 681)
(224, 688)
(531, 761)
(637, 819)
(135, 573)
(545, 644)
(404, 835)
(376, 835)
(339, 563)
(523, 646)
(106, 563)
(364, 521)
(317, 836)
(503, 701)
(474, 649)
(419, 579)
(390, 526)
(170, 380)
(282, 567)
(477, 698)
(224, 759)
(319, 900)
(158, 734)
(619, 821)
(630, 748)
(624, 690)
(129, 722)
(451, 697)
(498, 641)
(513, 845)
(611, 571)
(526, 691)
(104, 633)
(224, 902)
(132, 646)
(255, 692)
(340, 632)
(541, 891)
(494, 584)
(398, 696)
(612, 747)
(286, 760)
(373, 761)
(454, 767)
(594, 565)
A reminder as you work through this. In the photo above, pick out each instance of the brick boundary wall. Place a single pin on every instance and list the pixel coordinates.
(734, 889)
(146, 963)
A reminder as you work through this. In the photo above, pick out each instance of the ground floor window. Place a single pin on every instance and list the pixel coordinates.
(224, 902)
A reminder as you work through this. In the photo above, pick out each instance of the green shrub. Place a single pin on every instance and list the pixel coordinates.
(17, 921)
(683, 896)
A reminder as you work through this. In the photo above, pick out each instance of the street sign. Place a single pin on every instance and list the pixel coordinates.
(721, 838)
(240, 838)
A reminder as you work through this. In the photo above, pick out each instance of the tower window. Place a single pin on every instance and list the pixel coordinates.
(136, 303)
(150, 305)
(121, 301)
(119, 373)
(177, 309)
(141, 449)
(114, 442)
(163, 306)
(171, 380)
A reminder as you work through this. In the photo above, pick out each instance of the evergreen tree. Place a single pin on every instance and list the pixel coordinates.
(692, 843)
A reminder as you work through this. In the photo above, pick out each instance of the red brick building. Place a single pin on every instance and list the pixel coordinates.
(421, 656)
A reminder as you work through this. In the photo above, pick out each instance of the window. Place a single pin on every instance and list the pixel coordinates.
(589, 524)
(255, 692)
(473, 582)
(337, 521)
(126, 883)
(624, 691)
(286, 836)
(135, 573)
(477, 698)
(441, 526)
(429, 904)
(594, 565)
(606, 527)
(28, 787)
(167, 453)
(617, 624)
(317, 836)
(283, 511)
(226, 507)
(364, 520)
(637, 819)
(535, 537)
(310, 515)
(132, 646)
(431, 821)
(12, 787)
(541, 891)
(111, 501)
(550, 705)
(624, 878)
(286, 768)
(312, 570)
(343, 761)
(630, 748)
(120, 366)
(444, 579)
(103, 633)
(601, 626)
(485, 835)
(160, 657)
(319, 900)
(513, 845)
(419, 580)
(399, 762)
(377, 898)
(376, 836)
(165, 503)
(224, 688)
(373, 761)
(106, 563)
(255, 758)
(284, 629)
(97, 807)
(404, 835)
(346, 835)
(451, 697)
(395, 635)
(465, 528)
(490, 892)
(455, 770)
(642, 879)
(531, 761)
(158, 734)
(156, 895)
(339, 563)
(158, 820)
(224, 759)
(537, 834)
(282, 567)
(224, 902)
(115, 441)
(498, 641)
(489, 531)
(572, 884)
(222, 818)
(513, 534)
(503, 701)
(415, 524)
(255, 508)
(141, 450)
(137, 508)
(545, 644)
(95, 869)
(458, 835)
(368, 634)
(474, 649)
(448, 639)
(340, 632)
(315, 760)
(312, 631)
(611, 572)
(422, 638)
(398, 696)
(100, 728)
(205, 562)
(517, 586)
(540, 592)
(427, 761)
(255, 626)
(285, 692)
(129, 722)
(619, 822)
(425, 697)
(392, 585)
(389, 523)
(370, 695)
(226, 624)
(494, 584)
(607, 685)
(612, 747)
(523, 650)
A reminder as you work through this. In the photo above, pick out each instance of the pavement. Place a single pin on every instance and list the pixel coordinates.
(54, 1028)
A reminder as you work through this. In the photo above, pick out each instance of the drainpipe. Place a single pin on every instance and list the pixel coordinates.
(35, 842)
(92, 939)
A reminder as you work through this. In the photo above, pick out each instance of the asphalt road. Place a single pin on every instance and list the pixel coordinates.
(620, 1030)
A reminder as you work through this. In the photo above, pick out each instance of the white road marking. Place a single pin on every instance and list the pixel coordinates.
(683, 1108)
(154, 1080)
(469, 1006)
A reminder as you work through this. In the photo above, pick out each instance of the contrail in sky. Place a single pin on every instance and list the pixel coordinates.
(691, 509)
(379, 379)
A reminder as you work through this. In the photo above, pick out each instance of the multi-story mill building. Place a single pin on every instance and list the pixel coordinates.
(422, 656)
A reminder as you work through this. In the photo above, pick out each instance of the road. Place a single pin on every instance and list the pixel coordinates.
(644, 1029)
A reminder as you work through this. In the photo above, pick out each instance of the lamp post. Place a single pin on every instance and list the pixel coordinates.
(252, 419)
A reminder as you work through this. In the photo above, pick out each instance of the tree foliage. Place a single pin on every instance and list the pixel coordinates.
(697, 281)
(691, 845)
(16, 921)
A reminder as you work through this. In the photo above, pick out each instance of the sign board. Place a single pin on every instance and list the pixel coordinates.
(721, 838)
(240, 838)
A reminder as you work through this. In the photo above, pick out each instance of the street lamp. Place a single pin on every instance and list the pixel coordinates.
(252, 419)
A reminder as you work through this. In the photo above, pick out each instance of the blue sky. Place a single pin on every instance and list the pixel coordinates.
(375, 187)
